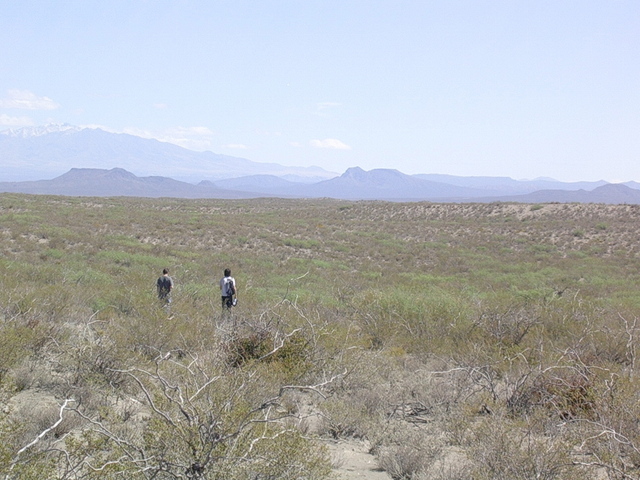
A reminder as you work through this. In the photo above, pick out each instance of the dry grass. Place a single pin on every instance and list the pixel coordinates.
(440, 333)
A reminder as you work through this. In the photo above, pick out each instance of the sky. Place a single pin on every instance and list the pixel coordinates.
(522, 89)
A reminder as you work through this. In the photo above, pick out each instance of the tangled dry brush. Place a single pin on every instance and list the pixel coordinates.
(459, 341)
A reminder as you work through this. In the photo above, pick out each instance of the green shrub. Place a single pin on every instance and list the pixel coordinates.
(515, 332)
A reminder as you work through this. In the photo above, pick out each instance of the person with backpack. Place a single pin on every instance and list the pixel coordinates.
(228, 289)
(164, 286)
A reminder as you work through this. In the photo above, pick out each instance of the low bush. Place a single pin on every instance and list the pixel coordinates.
(461, 341)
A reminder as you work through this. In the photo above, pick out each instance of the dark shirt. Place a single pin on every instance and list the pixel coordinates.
(165, 284)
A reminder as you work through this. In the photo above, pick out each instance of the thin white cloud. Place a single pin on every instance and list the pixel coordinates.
(327, 105)
(160, 106)
(26, 100)
(8, 121)
(195, 130)
(332, 143)
(323, 108)
(236, 146)
(268, 133)
(138, 132)
(193, 138)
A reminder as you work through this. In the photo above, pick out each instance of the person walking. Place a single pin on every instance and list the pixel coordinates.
(164, 286)
(228, 289)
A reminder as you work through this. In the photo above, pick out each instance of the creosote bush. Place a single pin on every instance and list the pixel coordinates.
(469, 341)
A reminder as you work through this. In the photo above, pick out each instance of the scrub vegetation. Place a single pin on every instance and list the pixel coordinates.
(460, 341)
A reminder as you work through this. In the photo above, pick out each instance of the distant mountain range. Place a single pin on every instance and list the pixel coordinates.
(117, 182)
(354, 184)
(86, 152)
(35, 153)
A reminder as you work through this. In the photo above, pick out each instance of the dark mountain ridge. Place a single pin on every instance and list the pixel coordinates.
(611, 193)
(506, 185)
(354, 184)
(382, 184)
(117, 182)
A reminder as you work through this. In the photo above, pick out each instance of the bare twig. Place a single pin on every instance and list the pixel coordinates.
(39, 437)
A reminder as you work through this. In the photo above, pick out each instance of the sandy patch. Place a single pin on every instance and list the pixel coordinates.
(353, 461)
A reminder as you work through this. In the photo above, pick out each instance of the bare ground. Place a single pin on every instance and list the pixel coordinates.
(353, 461)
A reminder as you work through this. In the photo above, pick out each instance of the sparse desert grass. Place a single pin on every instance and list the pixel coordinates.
(503, 336)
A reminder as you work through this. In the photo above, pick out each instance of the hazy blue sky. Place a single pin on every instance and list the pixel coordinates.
(464, 87)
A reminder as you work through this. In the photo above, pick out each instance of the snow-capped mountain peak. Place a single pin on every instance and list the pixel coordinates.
(38, 131)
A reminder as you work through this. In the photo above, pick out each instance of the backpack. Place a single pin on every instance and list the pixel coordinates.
(230, 288)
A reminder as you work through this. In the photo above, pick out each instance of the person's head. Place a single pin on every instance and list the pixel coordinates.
(227, 272)
(165, 271)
